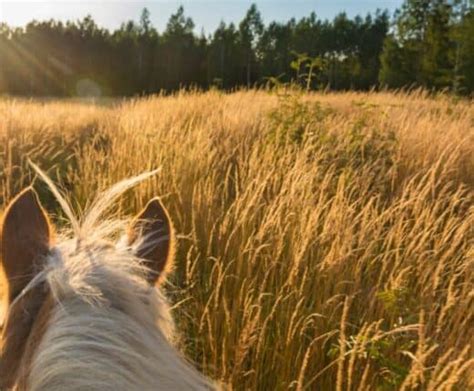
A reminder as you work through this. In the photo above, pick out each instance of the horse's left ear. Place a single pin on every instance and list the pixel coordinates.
(25, 240)
(153, 230)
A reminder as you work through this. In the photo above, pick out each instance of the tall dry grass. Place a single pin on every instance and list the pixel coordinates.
(326, 242)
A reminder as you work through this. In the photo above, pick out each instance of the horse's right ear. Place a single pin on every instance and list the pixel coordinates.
(25, 240)
(152, 232)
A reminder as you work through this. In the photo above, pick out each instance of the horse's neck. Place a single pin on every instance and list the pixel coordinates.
(103, 348)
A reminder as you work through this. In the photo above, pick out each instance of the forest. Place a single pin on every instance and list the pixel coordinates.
(426, 43)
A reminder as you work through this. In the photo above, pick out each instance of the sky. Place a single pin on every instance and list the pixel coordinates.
(206, 14)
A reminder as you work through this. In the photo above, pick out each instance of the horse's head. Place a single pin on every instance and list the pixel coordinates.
(84, 312)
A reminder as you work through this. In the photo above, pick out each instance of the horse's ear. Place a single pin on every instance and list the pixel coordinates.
(153, 231)
(25, 240)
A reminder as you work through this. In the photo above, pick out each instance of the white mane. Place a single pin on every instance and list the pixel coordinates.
(108, 330)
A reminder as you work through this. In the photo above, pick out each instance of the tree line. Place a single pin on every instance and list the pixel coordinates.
(427, 43)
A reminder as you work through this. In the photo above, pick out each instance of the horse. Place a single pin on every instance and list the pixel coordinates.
(84, 306)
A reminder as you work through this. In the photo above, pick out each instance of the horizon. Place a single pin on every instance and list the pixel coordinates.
(111, 14)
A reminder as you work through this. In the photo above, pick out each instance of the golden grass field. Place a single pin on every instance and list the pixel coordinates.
(326, 241)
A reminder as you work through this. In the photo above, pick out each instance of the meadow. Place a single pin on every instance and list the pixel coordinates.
(325, 241)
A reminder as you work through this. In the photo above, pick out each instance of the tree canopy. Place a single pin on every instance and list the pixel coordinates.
(427, 43)
(431, 45)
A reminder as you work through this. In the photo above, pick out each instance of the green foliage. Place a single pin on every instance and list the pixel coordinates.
(399, 303)
(464, 51)
(431, 46)
(309, 70)
(294, 119)
(391, 368)
(51, 58)
(298, 122)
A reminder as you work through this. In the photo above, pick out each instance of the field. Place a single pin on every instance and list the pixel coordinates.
(326, 241)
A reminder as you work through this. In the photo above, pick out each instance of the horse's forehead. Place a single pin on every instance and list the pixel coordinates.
(24, 327)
